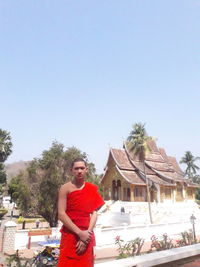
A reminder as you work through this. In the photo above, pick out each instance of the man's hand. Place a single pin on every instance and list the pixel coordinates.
(85, 236)
(80, 247)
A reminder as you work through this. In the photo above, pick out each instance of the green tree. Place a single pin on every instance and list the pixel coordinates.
(137, 144)
(5, 145)
(190, 160)
(42, 180)
(19, 191)
(196, 179)
(5, 151)
(2, 174)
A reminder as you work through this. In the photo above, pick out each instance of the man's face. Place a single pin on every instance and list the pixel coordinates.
(79, 170)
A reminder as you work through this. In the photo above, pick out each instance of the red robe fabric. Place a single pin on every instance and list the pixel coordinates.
(80, 204)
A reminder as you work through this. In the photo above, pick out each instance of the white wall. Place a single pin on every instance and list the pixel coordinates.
(21, 238)
(106, 237)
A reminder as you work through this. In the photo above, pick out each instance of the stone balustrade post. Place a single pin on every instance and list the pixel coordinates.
(9, 237)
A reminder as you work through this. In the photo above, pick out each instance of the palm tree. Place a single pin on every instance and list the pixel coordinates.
(137, 143)
(5, 145)
(189, 160)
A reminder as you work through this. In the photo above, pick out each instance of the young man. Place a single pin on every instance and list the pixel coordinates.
(78, 203)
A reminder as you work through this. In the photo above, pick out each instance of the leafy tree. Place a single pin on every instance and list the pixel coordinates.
(5, 151)
(197, 195)
(13, 187)
(19, 191)
(5, 145)
(196, 179)
(137, 143)
(38, 186)
(2, 174)
(191, 170)
(190, 160)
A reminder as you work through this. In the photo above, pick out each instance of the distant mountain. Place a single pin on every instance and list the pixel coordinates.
(13, 169)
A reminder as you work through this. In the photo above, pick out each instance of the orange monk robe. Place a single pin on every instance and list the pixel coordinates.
(80, 204)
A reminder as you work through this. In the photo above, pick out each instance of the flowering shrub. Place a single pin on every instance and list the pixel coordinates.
(161, 244)
(133, 247)
(130, 248)
(187, 239)
(14, 260)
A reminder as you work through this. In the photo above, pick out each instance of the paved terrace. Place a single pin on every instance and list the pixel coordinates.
(129, 226)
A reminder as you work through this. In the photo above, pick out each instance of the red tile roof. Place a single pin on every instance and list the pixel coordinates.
(120, 157)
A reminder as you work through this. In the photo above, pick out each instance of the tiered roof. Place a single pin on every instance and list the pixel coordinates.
(158, 167)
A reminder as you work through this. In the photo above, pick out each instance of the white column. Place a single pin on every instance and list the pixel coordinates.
(158, 192)
(174, 194)
(184, 194)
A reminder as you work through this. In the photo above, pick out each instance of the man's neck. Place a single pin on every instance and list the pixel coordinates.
(78, 184)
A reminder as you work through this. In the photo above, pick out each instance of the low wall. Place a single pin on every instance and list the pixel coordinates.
(155, 258)
(106, 237)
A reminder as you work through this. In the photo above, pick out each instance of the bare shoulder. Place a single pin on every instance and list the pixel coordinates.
(65, 188)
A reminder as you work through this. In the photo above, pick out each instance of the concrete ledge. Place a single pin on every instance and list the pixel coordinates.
(155, 258)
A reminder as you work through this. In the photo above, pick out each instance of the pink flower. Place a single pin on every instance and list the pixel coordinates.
(117, 237)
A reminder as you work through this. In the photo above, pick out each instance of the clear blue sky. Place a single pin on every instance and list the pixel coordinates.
(82, 72)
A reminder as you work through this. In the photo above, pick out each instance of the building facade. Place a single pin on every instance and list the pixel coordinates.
(126, 177)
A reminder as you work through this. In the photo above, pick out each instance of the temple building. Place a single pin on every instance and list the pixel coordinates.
(126, 177)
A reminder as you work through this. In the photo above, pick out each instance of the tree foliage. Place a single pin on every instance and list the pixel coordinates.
(137, 143)
(190, 160)
(5, 145)
(191, 170)
(5, 151)
(35, 190)
(2, 174)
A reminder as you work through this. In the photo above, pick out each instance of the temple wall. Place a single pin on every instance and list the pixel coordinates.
(137, 193)
(190, 193)
(113, 174)
(167, 194)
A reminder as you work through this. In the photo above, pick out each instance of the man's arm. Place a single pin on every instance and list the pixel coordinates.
(93, 220)
(81, 246)
(65, 219)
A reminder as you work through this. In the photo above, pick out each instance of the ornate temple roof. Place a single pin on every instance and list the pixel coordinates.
(158, 167)
(121, 159)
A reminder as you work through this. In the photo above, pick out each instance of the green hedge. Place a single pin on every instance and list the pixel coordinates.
(3, 212)
(29, 220)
